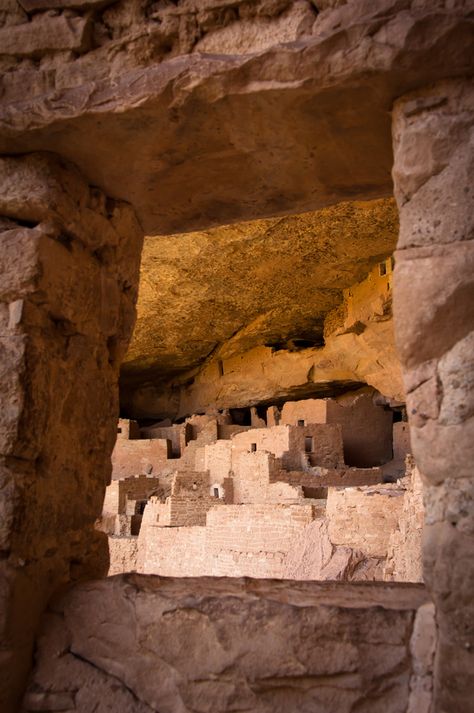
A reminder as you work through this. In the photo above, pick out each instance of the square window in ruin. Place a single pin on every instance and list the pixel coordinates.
(216, 492)
(253, 447)
(382, 269)
(301, 422)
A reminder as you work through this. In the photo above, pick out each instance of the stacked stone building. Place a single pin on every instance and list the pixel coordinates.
(211, 497)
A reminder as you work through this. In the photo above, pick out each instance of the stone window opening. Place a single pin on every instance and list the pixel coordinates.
(382, 269)
(301, 422)
(308, 444)
(407, 121)
(140, 507)
(216, 491)
(253, 447)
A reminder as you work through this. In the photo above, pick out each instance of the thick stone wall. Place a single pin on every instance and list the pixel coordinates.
(364, 518)
(366, 427)
(289, 444)
(353, 535)
(218, 460)
(434, 319)
(69, 260)
(143, 456)
(173, 551)
(253, 540)
(404, 557)
(225, 645)
(123, 554)
(132, 488)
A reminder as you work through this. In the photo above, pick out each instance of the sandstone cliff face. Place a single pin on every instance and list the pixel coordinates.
(296, 126)
(358, 349)
(233, 288)
(69, 259)
(433, 184)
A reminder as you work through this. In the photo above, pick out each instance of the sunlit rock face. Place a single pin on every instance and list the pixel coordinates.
(227, 304)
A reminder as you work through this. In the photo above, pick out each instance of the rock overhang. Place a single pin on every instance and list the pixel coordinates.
(207, 139)
(266, 282)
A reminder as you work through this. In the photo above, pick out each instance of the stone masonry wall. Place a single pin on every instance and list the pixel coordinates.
(366, 429)
(69, 260)
(174, 552)
(247, 540)
(218, 460)
(141, 456)
(307, 410)
(404, 558)
(254, 474)
(253, 540)
(364, 518)
(132, 488)
(288, 443)
(123, 554)
(433, 178)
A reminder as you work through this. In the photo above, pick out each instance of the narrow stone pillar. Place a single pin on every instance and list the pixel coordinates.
(69, 260)
(434, 325)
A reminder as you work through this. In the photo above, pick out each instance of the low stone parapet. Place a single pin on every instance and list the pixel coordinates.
(138, 643)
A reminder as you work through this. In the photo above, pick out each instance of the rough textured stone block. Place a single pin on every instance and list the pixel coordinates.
(47, 34)
(211, 645)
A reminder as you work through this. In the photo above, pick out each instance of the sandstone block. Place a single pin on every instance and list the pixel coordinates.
(36, 5)
(333, 644)
(46, 34)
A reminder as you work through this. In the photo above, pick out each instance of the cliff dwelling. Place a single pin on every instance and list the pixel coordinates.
(282, 450)
(237, 308)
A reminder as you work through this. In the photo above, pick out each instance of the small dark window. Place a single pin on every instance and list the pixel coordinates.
(253, 447)
(216, 492)
(119, 430)
(140, 506)
(382, 269)
(308, 444)
(301, 422)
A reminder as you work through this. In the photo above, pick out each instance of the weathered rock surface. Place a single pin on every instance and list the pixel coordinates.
(69, 260)
(404, 559)
(433, 173)
(33, 39)
(142, 644)
(358, 349)
(237, 287)
(150, 120)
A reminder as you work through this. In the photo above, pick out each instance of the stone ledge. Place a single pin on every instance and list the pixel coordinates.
(215, 645)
